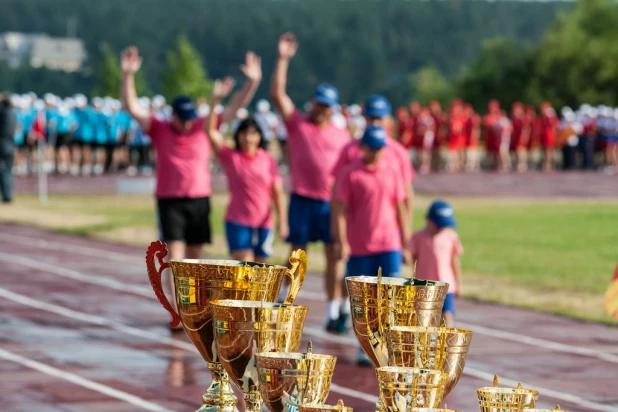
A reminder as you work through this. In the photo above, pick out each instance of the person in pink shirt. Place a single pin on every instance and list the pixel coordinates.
(435, 253)
(376, 110)
(314, 144)
(370, 218)
(183, 185)
(254, 183)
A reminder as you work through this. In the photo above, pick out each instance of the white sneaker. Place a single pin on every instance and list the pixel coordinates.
(98, 170)
(132, 171)
(74, 170)
(86, 170)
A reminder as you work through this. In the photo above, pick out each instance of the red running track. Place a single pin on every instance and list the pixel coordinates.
(80, 330)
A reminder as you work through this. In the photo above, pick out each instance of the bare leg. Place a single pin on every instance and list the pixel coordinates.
(522, 160)
(425, 161)
(548, 160)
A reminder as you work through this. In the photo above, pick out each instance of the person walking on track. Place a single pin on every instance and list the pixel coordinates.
(183, 185)
(253, 179)
(314, 144)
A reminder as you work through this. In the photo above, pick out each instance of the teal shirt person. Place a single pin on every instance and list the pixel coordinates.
(66, 121)
(119, 124)
(18, 137)
(51, 121)
(85, 118)
(28, 122)
(102, 128)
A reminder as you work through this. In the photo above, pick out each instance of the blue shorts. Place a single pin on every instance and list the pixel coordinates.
(257, 239)
(309, 220)
(449, 304)
(368, 265)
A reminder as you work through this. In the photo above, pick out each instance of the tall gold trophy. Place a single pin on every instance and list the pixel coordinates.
(246, 328)
(497, 399)
(197, 283)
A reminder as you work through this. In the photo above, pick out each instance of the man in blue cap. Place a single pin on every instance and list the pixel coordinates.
(314, 144)
(436, 249)
(371, 225)
(183, 175)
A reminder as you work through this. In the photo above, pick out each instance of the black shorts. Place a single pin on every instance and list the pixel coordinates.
(63, 139)
(185, 219)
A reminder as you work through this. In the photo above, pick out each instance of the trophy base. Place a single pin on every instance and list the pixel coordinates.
(220, 396)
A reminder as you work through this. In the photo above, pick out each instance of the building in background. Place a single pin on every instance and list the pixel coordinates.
(42, 51)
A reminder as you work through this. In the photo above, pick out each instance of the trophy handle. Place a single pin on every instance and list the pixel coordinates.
(298, 260)
(158, 249)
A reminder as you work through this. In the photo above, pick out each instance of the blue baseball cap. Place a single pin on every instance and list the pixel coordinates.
(326, 94)
(184, 108)
(441, 214)
(374, 137)
(377, 106)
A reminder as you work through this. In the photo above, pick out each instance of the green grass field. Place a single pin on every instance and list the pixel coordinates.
(556, 256)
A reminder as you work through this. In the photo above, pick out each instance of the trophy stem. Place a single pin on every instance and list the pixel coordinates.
(253, 401)
(220, 394)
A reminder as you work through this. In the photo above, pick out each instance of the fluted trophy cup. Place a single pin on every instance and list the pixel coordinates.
(430, 348)
(497, 399)
(402, 389)
(197, 283)
(289, 379)
(340, 407)
(243, 329)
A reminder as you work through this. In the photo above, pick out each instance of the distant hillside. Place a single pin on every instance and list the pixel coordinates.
(361, 46)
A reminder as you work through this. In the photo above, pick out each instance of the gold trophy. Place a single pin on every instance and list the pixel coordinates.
(402, 389)
(243, 329)
(445, 409)
(380, 303)
(340, 407)
(288, 379)
(495, 399)
(557, 409)
(430, 348)
(198, 282)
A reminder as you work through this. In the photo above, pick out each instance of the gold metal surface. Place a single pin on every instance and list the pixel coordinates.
(379, 304)
(402, 389)
(433, 410)
(496, 399)
(198, 282)
(430, 348)
(340, 407)
(245, 328)
(556, 409)
(287, 380)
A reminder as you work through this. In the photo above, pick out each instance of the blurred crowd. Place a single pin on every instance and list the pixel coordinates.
(96, 136)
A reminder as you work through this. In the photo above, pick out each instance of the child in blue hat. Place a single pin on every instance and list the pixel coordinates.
(435, 253)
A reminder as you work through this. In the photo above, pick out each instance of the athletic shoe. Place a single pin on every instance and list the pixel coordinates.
(331, 326)
(363, 360)
(341, 325)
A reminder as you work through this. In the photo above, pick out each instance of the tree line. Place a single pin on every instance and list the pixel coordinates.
(404, 49)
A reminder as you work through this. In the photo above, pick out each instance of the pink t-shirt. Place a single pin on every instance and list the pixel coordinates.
(370, 197)
(250, 181)
(314, 151)
(182, 160)
(434, 254)
(395, 155)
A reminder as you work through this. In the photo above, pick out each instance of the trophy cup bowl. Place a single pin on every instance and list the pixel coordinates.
(245, 328)
(197, 283)
(430, 348)
(495, 399)
(402, 389)
(326, 408)
(289, 379)
(380, 303)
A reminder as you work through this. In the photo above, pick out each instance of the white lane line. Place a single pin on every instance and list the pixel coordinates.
(71, 248)
(82, 277)
(120, 327)
(352, 393)
(513, 337)
(486, 376)
(83, 382)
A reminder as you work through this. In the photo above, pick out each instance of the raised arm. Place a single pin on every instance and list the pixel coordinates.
(252, 70)
(287, 49)
(221, 90)
(130, 63)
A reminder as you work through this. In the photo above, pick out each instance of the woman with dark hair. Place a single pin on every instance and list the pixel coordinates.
(254, 183)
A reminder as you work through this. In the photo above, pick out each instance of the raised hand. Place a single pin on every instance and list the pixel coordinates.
(130, 60)
(252, 69)
(287, 46)
(223, 88)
